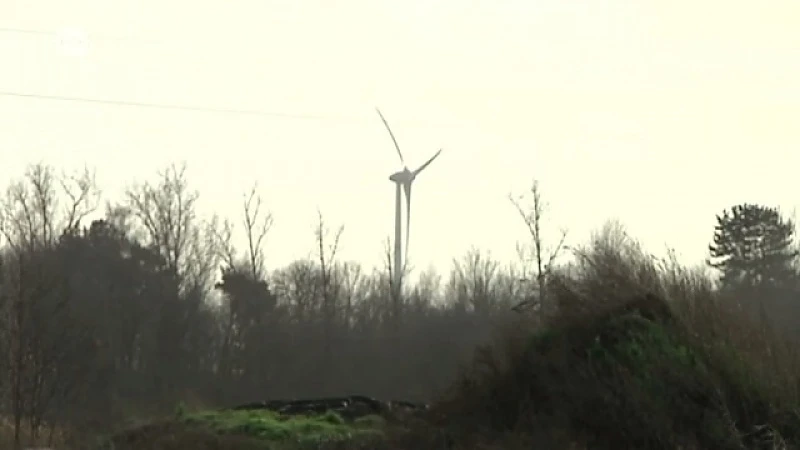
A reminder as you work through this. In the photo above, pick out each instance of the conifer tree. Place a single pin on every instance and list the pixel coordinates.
(753, 248)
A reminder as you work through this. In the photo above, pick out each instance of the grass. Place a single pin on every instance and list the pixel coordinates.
(256, 430)
(271, 427)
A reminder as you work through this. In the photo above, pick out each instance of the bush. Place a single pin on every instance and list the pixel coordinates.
(638, 353)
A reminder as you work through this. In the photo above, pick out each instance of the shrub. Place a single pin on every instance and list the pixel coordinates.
(638, 353)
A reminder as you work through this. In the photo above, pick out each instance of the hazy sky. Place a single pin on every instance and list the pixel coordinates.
(659, 113)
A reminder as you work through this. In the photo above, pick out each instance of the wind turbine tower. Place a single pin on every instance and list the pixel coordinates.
(404, 179)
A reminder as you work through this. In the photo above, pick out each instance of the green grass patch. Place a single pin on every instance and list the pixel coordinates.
(249, 430)
(269, 426)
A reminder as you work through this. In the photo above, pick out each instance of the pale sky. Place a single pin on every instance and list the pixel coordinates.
(658, 113)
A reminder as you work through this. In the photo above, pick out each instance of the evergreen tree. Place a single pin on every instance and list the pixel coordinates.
(753, 248)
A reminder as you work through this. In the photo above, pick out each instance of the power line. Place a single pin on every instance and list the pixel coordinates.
(161, 106)
(138, 104)
(206, 109)
(157, 105)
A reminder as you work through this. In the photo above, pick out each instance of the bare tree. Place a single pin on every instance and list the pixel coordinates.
(350, 276)
(327, 260)
(83, 197)
(509, 290)
(425, 292)
(298, 286)
(33, 217)
(223, 235)
(472, 281)
(394, 290)
(543, 257)
(167, 212)
(205, 253)
(256, 226)
(28, 214)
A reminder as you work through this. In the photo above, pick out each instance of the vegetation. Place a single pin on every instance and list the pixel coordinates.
(641, 354)
(249, 430)
(106, 325)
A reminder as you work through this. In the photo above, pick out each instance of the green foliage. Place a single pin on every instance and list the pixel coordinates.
(180, 410)
(256, 430)
(639, 344)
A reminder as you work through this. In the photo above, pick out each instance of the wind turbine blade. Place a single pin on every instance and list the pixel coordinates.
(422, 167)
(407, 187)
(385, 123)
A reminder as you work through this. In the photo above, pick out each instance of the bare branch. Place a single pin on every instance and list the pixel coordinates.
(321, 232)
(256, 227)
(29, 215)
(389, 267)
(204, 253)
(166, 210)
(532, 216)
(224, 237)
(83, 194)
(557, 250)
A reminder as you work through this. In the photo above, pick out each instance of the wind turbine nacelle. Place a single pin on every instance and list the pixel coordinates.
(404, 176)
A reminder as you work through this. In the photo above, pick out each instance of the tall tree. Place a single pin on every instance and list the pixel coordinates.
(327, 263)
(536, 252)
(250, 305)
(166, 213)
(753, 248)
(257, 224)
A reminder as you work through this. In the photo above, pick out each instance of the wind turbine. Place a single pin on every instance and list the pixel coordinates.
(402, 178)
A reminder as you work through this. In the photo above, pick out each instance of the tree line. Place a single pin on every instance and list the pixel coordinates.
(153, 304)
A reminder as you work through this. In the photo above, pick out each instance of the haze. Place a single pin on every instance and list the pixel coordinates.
(658, 113)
